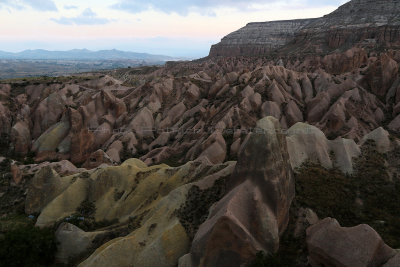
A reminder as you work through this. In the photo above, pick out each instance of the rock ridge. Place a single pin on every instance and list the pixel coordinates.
(365, 23)
(259, 37)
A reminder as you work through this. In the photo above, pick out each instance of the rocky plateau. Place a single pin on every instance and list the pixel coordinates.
(370, 24)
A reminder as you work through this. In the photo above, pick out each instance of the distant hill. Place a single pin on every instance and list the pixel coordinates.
(40, 62)
(84, 54)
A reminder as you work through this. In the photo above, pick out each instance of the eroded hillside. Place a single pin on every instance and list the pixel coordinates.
(224, 161)
(174, 112)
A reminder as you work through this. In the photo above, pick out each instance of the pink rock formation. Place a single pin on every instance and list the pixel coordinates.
(332, 245)
(96, 159)
(262, 186)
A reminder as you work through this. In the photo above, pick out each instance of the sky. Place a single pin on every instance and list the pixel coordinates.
(181, 28)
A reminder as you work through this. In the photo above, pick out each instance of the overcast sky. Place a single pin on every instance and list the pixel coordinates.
(169, 27)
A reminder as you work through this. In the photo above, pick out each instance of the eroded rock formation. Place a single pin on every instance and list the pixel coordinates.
(262, 185)
(192, 163)
(202, 214)
(332, 245)
(197, 109)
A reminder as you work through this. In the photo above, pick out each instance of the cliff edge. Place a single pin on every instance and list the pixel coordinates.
(372, 24)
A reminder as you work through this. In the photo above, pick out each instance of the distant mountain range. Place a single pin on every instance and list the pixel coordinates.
(84, 54)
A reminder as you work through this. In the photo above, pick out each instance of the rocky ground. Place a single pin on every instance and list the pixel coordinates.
(174, 112)
(67, 145)
(224, 161)
(273, 206)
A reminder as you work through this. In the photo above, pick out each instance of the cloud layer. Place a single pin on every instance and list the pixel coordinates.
(183, 7)
(71, 7)
(41, 5)
(87, 17)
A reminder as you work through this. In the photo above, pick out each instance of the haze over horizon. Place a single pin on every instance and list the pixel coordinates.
(173, 28)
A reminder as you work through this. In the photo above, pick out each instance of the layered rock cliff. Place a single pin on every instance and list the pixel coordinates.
(259, 38)
(364, 23)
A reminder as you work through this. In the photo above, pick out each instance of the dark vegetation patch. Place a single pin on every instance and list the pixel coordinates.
(86, 208)
(177, 159)
(84, 218)
(135, 222)
(368, 196)
(139, 153)
(328, 192)
(141, 175)
(5, 166)
(23, 244)
(198, 202)
(292, 250)
(174, 160)
(12, 197)
(6, 150)
(228, 136)
(4, 144)
(125, 153)
(170, 172)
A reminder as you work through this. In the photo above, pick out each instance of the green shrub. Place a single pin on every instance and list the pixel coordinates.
(330, 193)
(27, 245)
(4, 144)
(84, 218)
(198, 202)
(86, 209)
(173, 161)
(264, 260)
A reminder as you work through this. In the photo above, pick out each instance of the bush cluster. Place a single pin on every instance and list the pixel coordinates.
(27, 245)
